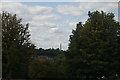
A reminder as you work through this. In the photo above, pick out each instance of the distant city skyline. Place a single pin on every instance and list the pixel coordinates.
(51, 23)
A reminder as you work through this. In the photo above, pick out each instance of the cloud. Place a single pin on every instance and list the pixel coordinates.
(68, 24)
(50, 26)
(40, 9)
(46, 17)
(82, 8)
(69, 10)
(21, 8)
(15, 8)
(53, 30)
(105, 6)
(41, 24)
(36, 16)
(30, 12)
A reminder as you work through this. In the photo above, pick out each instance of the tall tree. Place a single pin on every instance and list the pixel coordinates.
(16, 47)
(73, 51)
(94, 47)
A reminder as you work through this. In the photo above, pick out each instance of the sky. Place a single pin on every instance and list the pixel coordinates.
(59, 0)
(51, 23)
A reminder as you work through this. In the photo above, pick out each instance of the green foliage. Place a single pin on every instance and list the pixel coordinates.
(41, 68)
(60, 66)
(16, 47)
(48, 52)
(93, 46)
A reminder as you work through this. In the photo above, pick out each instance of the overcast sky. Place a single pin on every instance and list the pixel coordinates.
(51, 23)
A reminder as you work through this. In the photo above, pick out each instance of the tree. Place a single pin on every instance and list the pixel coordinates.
(93, 47)
(16, 47)
(41, 69)
(48, 52)
(60, 66)
(73, 51)
(46, 66)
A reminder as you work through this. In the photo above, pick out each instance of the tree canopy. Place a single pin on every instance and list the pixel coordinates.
(93, 49)
(16, 47)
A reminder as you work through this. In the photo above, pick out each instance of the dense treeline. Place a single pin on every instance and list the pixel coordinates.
(48, 64)
(48, 52)
(42, 68)
(93, 52)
